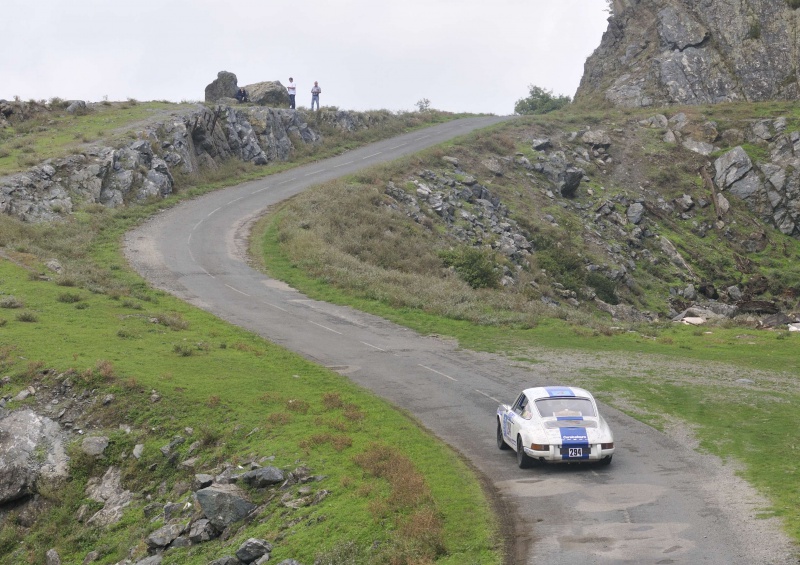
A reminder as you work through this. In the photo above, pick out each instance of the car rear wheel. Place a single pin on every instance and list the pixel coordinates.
(501, 443)
(522, 458)
(606, 460)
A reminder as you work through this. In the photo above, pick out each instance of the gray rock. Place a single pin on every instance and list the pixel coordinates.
(32, 448)
(109, 491)
(734, 293)
(269, 93)
(700, 147)
(678, 30)
(263, 477)
(731, 167)
(52, 557)
(541, 144)
(225, 85)
(76, 107)
(94, 446)
(596, 138)
(152, 560)
(164, 536)
(202, 530)
(635, 213)
(253, 549)
(225, 561)
(202, 480)
(223, 504)
(138, 450)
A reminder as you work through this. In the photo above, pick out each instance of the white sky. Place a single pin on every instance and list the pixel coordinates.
(462, 55)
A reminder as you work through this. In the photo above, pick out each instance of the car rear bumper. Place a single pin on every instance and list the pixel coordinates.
(554, 454)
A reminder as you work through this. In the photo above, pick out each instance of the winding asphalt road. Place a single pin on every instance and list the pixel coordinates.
(658, 502)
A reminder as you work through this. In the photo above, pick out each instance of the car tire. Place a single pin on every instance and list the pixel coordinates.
(501, 443)
(606, 461)
(523, 461)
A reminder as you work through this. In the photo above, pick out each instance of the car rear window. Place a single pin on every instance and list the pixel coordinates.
(565, 407)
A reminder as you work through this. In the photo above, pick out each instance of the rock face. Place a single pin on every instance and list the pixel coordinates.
(143, 170)
(659, 52)
(186, 143)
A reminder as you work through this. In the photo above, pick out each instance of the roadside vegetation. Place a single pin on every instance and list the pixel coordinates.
(176, 370)
(349, 242)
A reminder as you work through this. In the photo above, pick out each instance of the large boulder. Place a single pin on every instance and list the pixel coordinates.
(225, 86)
(31, 449)
(223, 505)
(269, 93)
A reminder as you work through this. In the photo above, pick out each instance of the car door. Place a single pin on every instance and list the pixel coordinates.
(515, 418)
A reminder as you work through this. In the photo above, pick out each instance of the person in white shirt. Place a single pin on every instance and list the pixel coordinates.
(291, 88)
(315, 91)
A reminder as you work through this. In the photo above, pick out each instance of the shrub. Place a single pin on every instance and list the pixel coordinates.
(27, 317)
(603, 286)
(474, 266)
(183, 349)
(11, 302)
(540, 101)
(172, 321)
(69, 297)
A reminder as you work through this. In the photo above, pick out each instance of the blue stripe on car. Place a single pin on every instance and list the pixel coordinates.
(575, 437)
(569, 417)
(559, 391)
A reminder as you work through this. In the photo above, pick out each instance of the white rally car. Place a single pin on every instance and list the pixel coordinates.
(554, 424)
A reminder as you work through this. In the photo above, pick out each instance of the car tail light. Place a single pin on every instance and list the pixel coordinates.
(607, 445)
(540, 447)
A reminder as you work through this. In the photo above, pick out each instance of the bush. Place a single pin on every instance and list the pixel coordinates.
(604, 287)
(11, 302)
(540, 101)
(475, 266)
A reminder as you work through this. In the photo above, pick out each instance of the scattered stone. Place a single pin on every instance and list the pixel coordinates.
(263, 477)
(95, 445)
(253, 549)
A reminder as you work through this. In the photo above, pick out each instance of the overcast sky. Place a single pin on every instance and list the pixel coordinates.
(462, 55)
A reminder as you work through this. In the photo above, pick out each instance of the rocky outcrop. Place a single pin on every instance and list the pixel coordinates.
(660, 52)
(143, 170)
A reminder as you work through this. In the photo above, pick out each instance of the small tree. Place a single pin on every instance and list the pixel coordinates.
(540, 101)
(423, 105)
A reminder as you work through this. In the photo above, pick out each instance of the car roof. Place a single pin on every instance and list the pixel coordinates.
(539, 392)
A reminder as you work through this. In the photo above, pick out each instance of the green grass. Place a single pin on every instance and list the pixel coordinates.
(231, 385)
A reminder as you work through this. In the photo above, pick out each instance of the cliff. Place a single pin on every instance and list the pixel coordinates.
(664, 52)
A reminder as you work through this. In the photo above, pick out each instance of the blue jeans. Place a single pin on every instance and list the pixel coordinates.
(291, 101)
(315, 100)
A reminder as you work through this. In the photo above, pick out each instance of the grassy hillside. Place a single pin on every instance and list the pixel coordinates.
(95, 329)
(357, 242)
